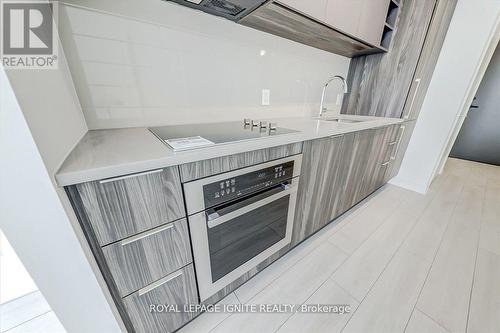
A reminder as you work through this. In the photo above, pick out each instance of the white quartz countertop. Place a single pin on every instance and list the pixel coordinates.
(115, 152)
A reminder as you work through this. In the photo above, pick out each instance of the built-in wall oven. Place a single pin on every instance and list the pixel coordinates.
(240, 218)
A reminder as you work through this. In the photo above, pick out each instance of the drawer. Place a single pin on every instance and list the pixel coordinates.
(142, 259)
(205, 168)
(391, 140)
(177, 288)
(120, 207)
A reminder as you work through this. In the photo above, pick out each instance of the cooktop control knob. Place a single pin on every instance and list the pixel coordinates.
(255, 123)
(263, 124)
(247, 121)
(273, 126)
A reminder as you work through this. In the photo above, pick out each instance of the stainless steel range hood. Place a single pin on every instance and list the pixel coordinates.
(233, 10)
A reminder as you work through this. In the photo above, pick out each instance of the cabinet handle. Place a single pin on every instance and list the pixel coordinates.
(146, 234)
(386, 163)
(410, 111)
(392, 143)
(216, 220)
(399, 142)
(159, 283)
(130, 176)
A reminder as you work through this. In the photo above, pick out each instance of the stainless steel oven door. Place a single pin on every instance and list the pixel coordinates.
(230, 240)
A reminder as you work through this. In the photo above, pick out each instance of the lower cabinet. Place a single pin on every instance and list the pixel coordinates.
(385, 143)
(338, 172)
(144, 258)
(368, 163)
(357, 165)
(149, 269)
(159, 307)
(403, 135)
(320, 188)
(138, 233)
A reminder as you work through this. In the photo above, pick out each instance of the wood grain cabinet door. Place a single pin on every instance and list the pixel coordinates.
(356, 165)
(146, 257)
(434, 40)
(120, 207)
(177, 289)
(375, 164)
(379, 83)
(320, 188)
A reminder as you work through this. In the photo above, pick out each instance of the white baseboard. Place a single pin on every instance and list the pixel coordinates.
(404, 183)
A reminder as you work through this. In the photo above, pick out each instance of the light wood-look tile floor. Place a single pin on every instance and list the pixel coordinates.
(29, 314)
(404, 262)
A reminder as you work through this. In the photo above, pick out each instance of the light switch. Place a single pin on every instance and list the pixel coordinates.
(266, 95)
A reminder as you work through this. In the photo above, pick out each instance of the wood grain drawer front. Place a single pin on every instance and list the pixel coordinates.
(139, 260)
(403, 137)
(178, 288)
(201, 169)
(124, 206)
(392, 140)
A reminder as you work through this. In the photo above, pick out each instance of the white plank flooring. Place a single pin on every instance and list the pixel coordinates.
(29, 314)
(404, 262)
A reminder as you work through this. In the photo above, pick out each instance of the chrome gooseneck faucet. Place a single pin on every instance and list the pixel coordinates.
(344, 86)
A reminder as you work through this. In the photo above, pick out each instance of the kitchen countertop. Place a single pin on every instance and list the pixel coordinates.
(113, 152)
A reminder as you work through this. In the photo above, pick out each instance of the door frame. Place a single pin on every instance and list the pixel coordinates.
(481, 68)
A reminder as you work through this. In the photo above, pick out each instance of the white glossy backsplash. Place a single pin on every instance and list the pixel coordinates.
(166, 64)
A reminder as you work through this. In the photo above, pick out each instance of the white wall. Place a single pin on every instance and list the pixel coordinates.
(34, 219)
(469, 37)
(15, 281)
(479, 138)
(152, 62)
(40, 122)
(50, 105)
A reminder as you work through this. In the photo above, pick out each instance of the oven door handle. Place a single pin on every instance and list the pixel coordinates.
(289, 189)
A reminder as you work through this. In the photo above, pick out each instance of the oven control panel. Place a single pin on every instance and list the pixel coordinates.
(233, 188)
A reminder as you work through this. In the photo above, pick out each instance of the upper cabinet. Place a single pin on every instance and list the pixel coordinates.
(346, 27)
(394, 85)
(372, 18)
(359, 21)
(282, 21)
(344, 15)
(315, 9)
(363, 19)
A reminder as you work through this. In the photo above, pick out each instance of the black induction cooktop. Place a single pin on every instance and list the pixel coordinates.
(220, 133)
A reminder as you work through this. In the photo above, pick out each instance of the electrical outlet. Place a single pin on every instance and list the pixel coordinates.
(266, 95)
